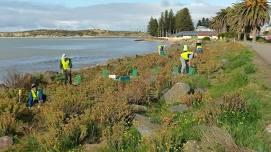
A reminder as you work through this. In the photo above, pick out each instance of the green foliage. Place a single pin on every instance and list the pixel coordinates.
(153, 27)
(168, 23)
(250, 68)
(197, 81)
(243, 17)
(184, 21)
(206, 39)
(204, 22)
(228, 35)
(262, 40)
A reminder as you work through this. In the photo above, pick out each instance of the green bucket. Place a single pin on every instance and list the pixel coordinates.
(77, 80)
(192, 71)
(105, 73)
(124, 79)
(161, 50)
(134, 72)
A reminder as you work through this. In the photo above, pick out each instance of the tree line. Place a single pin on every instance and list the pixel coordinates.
(243, 18)
(204, 22)
(170, 23)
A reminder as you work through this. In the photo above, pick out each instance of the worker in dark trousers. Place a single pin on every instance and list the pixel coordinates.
(66, 66)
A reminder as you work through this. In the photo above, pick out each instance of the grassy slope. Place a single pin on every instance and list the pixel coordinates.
(97, 110)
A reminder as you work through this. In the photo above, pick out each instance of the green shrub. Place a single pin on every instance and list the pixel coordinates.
(206, 39)
(239, 60)
(261, 39)
(69, 140)
(228, 35)
(250, 68)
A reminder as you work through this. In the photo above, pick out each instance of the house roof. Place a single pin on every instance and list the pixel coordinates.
(207, 33)
(196, 33)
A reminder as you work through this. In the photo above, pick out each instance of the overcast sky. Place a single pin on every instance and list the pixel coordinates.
(18, 15)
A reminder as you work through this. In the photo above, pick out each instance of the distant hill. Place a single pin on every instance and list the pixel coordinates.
(67, 33)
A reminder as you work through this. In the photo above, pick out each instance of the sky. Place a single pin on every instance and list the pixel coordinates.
(125, 15)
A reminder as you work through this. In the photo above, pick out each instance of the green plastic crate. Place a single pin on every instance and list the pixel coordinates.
(134, 72)
(105, 73)
(192, 71)
(124, 79)
(77, 80)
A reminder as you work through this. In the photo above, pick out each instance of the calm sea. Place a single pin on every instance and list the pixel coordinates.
(43, 54)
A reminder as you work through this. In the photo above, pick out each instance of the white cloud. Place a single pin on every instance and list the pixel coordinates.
(17, 15)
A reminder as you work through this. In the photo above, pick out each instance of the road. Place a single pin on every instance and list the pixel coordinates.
(263, 50)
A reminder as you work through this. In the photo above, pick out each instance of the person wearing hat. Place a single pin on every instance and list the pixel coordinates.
(186, 57)
(199, 48)
(35, 96)
(65, 66)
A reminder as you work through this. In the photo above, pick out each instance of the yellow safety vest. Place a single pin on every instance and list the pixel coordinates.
(34, 95)
(199, 47)
(65, 64)
(185, 55)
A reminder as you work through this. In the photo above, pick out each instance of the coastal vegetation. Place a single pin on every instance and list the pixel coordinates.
(226, 115)
(69, 33)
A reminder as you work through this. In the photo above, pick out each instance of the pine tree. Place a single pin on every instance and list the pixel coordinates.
(153, 27)
(171, 22)
(199, 23)
(166, 28)
(184, 21)
(161, 25)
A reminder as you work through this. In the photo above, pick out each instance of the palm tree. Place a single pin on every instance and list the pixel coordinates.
(236, 21)
(255, 14)
(220, 21)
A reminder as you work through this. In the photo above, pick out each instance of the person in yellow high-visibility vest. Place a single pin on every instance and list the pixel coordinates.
(199, 48)
(186, 57)
(35, 96)
(66, 66)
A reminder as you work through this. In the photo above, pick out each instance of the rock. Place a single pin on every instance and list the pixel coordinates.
(268, 128)
(176, 93)
(217, 139)
(5, 142)
(144, 126)
(138, 108)
(179, 108)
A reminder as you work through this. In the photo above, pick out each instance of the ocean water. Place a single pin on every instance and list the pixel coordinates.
(43, 54)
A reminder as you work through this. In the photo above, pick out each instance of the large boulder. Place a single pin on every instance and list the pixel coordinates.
(138, 108)
(179, 108)
(5, 142)
(214, 139)
(145, 127)
(175, 94)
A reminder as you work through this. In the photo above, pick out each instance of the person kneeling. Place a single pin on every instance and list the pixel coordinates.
(35, 96)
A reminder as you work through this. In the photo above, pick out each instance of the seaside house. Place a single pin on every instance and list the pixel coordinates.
(203, 29)
(185, 35)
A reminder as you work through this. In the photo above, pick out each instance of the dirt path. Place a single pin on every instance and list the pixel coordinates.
(263, 50)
